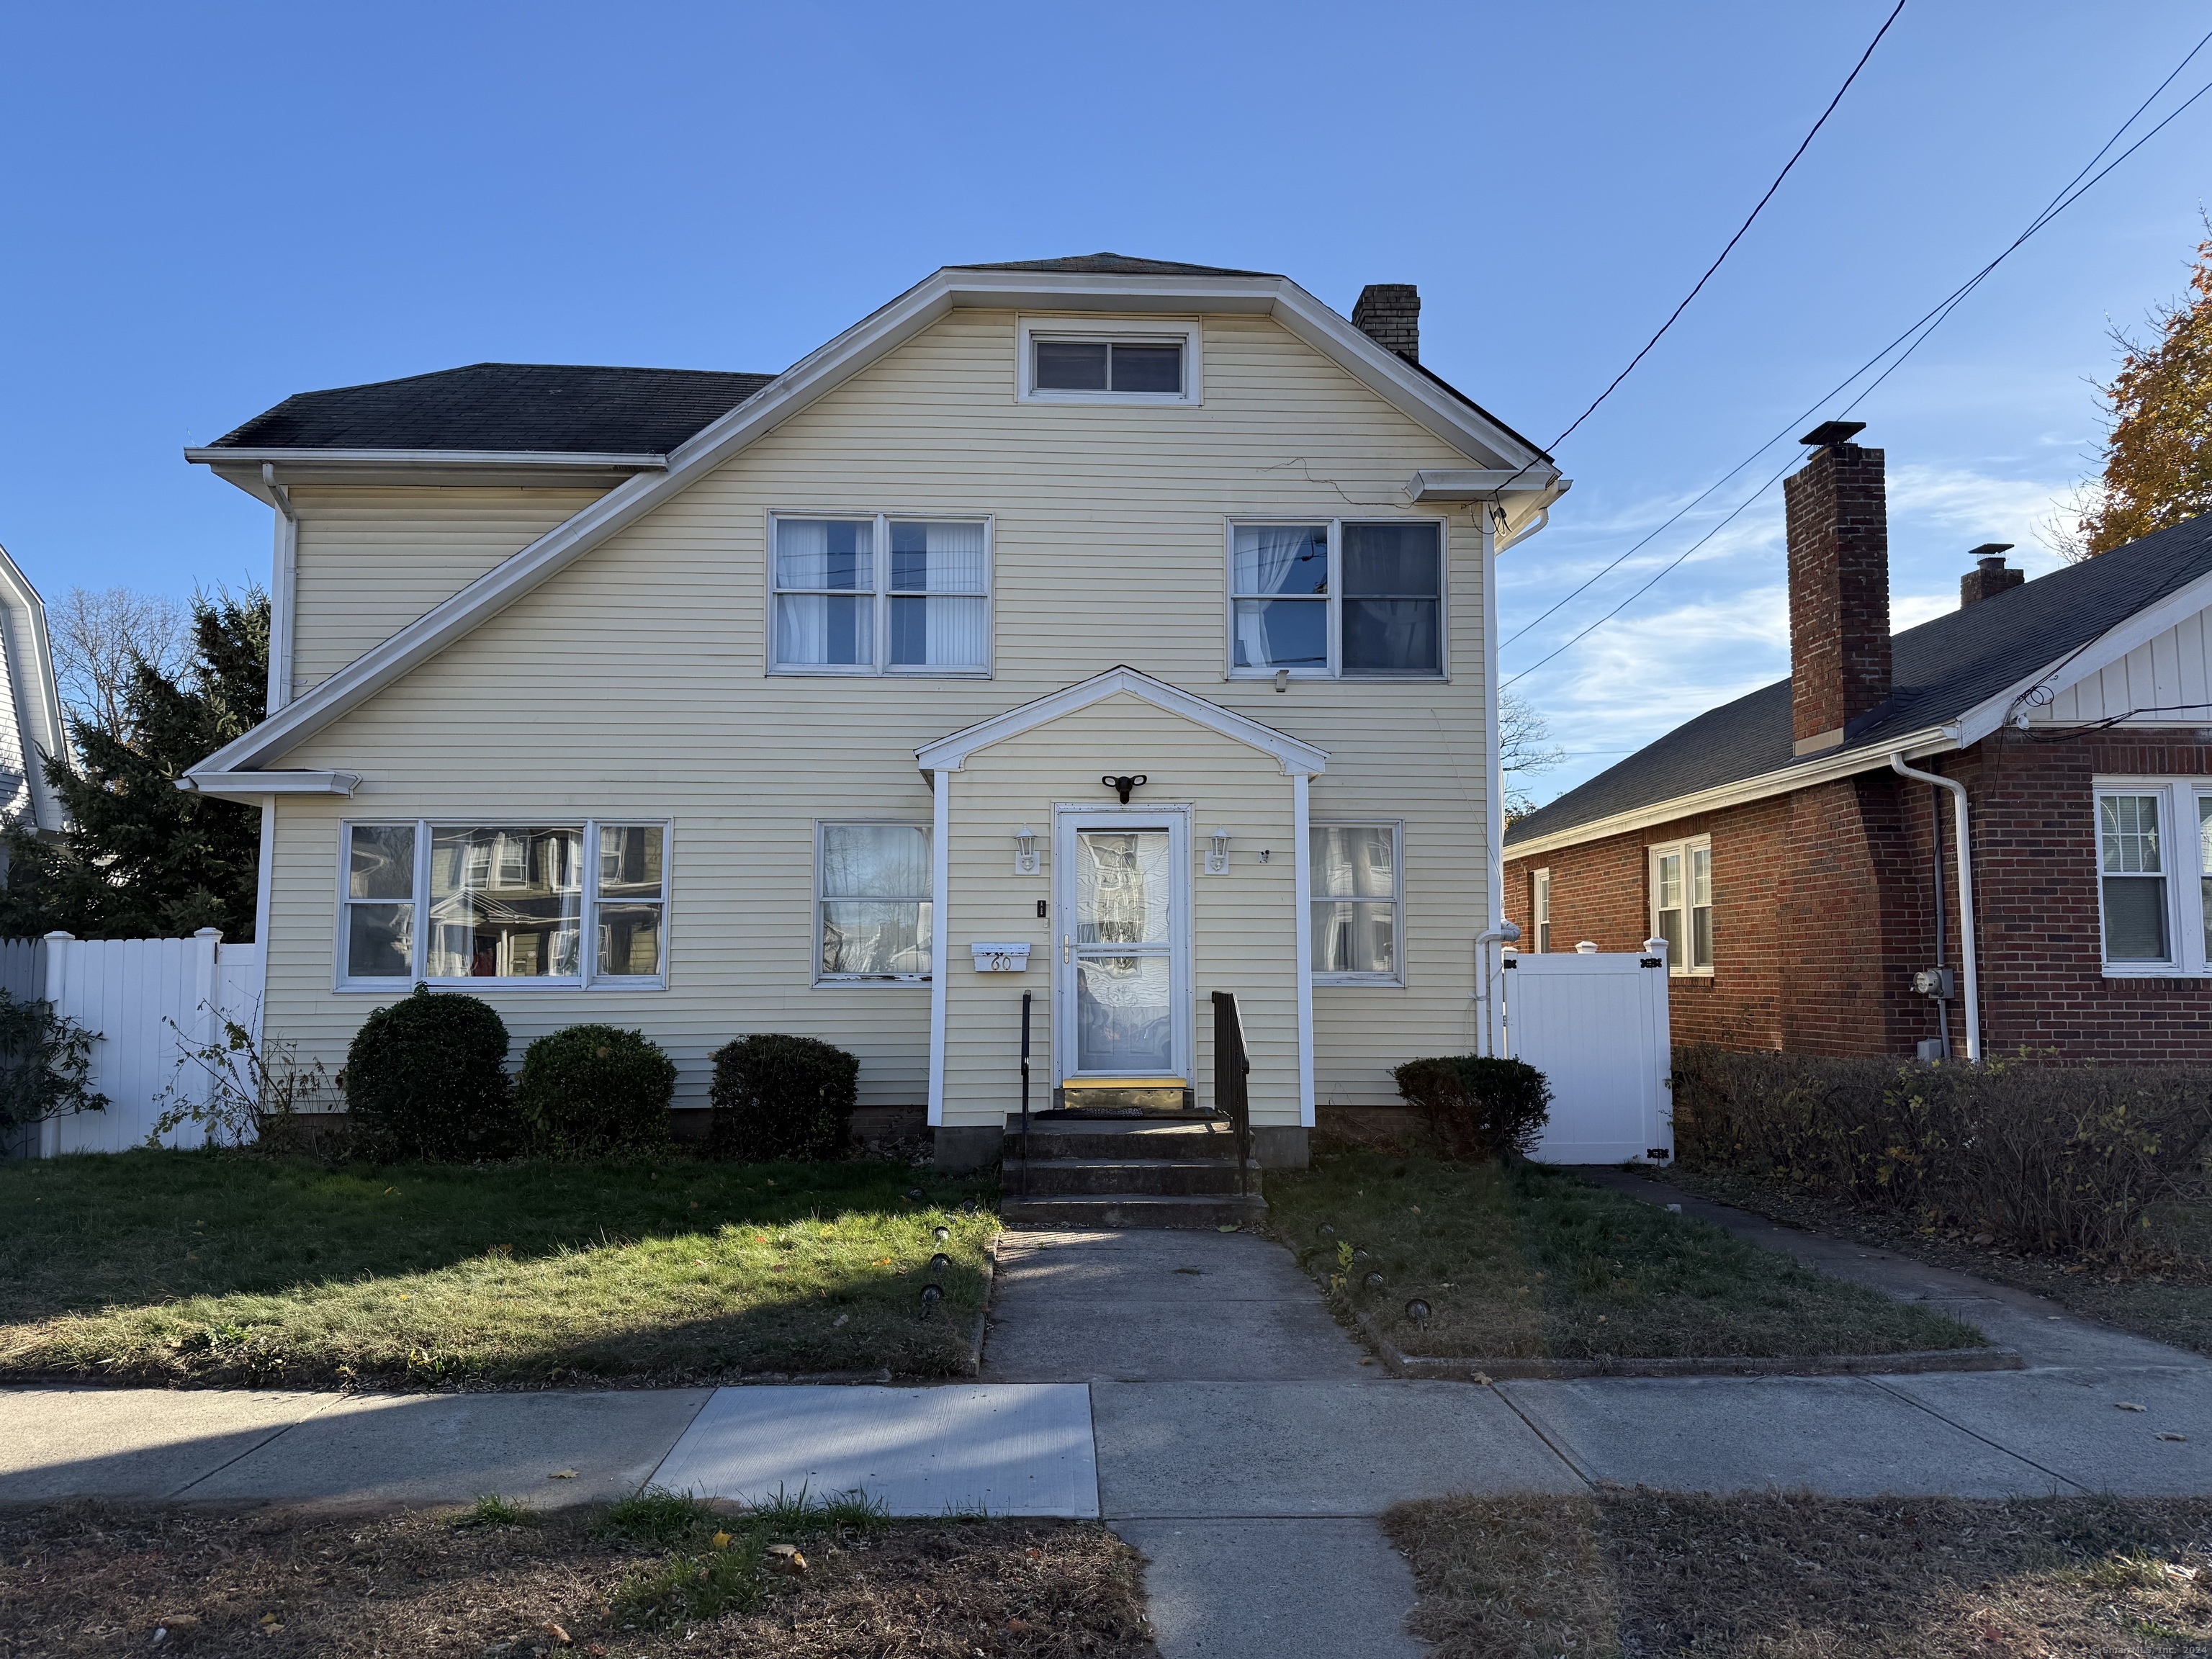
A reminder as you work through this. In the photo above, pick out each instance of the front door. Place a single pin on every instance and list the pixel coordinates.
(1124, 905)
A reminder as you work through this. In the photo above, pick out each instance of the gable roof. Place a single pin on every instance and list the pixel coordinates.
(1451, 419)
(505, 408)
(950, 752)
(1117, 265)
(1943, 671)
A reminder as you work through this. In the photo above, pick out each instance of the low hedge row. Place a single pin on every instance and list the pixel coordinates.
(1476, 1108)
(2045, 1157)
(426, 1079)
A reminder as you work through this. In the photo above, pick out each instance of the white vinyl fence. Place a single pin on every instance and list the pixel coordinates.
(1595, 1025)
(151, 999)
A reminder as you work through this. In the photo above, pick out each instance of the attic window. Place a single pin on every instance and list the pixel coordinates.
(1107, 360)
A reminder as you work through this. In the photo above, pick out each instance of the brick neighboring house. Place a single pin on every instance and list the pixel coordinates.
(1807, 889)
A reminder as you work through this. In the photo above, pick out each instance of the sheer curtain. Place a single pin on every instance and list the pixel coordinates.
(1268, 557)
(938, 610)
(835, 622)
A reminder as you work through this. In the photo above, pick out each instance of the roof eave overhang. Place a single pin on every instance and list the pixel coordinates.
(1800, 774)
(868, 341)
(522, 469)
(255, 784)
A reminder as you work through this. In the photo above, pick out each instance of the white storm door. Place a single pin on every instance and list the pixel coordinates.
(1123, 904)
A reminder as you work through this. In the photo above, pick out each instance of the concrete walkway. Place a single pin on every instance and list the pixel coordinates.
(1191, 1388)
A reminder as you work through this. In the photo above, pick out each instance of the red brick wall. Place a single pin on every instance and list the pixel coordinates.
(1824, 908)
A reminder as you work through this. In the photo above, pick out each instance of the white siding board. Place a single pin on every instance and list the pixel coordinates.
(2172, 672)
(636, 681)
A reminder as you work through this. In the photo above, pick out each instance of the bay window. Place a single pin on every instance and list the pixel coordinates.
(1337, 598)
(880, 595)
(525, 905)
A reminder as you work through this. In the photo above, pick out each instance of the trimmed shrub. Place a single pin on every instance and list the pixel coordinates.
(593, 1090)
(427, 1079)
(1478, 1108)
(2044, 1157)
(45, 1069)
(779, 1097)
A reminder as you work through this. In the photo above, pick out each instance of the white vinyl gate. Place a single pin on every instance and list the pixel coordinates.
(1595, 1025)
(140, 995)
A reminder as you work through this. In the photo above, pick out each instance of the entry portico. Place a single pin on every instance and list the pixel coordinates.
(1134, 911)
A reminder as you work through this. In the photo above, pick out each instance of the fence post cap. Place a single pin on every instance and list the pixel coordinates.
(61, 934)
(1654, 946)
(1587, 948)
(207, 932)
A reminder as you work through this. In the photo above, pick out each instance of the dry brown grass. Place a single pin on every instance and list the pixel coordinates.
(91, 1579)
(1642, 1573)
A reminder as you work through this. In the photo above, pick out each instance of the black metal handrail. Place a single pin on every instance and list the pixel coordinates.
(1232, 1072)
(1025, 1095)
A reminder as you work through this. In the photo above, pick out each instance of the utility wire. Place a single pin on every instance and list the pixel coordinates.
(1672, 316)
(1917, 333)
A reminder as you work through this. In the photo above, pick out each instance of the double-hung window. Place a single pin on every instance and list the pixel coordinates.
(881, 595)
(1539, 908)
(872, 905)
(1681, 877)
(1337, 598)
(1356, 903)
(528, 905)
(2155, 909)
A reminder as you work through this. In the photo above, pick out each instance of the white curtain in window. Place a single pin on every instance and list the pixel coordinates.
(1266, 556)
(944, 561)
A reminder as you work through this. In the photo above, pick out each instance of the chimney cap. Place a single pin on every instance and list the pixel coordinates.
(1833, 432)
(1989, 552)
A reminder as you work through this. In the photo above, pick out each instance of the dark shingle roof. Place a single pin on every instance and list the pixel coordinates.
(508, 408)
(1939, 670)
(1117, 265)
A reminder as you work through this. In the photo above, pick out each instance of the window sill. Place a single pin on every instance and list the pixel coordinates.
(1358, 981)
(871, 981)
(1265, 676)
(387, 987)
(785, 671)
(1689, 973)
(2154, 971)
(1142, 399)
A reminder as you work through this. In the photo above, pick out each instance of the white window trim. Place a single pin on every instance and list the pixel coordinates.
(881, 667)
(1540, 909)
(1396, 979)
(1334, 601)
(865, 981)
(2181, 855)
(1652, 853)
(588, 946)
(1129, 330)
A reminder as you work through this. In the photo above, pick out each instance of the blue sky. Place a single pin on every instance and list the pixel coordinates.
(212, 208)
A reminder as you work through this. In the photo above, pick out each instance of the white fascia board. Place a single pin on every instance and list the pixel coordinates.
(253, 786)
(545, 458)
(38, 696)
(1826, 769)
(950, 753)
(820, 372)
(2139, 628)
(1482, 483)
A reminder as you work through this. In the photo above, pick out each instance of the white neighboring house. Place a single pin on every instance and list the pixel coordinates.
(714, 703)
(31, 728)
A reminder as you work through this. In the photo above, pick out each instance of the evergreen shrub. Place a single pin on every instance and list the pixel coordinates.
(427, 1079)
(595, 1090)
(777, 1097)
(1476, 1108)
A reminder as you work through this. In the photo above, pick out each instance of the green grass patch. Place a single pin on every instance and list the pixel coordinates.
(222, 1268)
(1532, 1262)
(721, 1560)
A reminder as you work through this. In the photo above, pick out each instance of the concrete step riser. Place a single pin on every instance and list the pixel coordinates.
(1068, 1211)
(1176, 1143)
(1107, 1179)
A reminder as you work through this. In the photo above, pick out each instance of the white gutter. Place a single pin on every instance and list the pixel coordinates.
(285, 565)
(1967, 955)
(251, 786)
(1487, 976)
(551, 458)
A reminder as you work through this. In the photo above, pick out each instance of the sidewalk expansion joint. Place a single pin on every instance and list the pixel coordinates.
(278, 1434)
(1922, 1405)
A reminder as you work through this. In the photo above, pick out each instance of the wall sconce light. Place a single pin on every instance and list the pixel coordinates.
(1025, 853)
(1217, 856)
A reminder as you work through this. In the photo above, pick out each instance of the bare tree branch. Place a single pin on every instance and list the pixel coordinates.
(98, 640)
(1525, 750)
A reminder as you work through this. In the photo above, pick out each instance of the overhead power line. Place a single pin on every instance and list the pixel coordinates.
(1912, 339)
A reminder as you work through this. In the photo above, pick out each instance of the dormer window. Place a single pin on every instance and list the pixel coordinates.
(1107, 360)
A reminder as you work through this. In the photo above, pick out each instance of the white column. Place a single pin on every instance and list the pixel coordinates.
(1486, 965)
(1301, 934)
(58, 944)
(940, 857)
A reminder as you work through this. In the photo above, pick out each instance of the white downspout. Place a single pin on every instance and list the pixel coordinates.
(1486, 976)
(282, 575)
(1968, 957)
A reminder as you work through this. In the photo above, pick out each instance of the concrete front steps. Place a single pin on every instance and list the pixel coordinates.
(1154, 1171)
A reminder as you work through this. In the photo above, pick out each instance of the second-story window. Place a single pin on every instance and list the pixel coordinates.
(1338, 599)
(882, 595)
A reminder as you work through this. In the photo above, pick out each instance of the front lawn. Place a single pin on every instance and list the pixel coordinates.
(1641, 1572)
(1534, 1262)
(649, 1576)
(206, 1267)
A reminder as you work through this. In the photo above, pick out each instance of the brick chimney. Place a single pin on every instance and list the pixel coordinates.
(1990, 575)
(1389, 313)
(1838, 588)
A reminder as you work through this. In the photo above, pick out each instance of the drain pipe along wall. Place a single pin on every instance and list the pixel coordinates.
(1968, 956)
